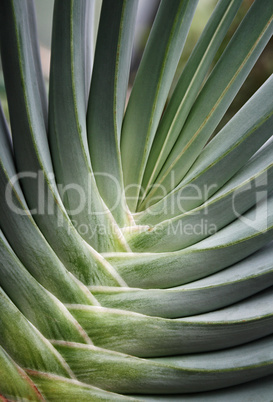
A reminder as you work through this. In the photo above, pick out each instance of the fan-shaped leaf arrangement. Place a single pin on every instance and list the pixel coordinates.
(136, 260)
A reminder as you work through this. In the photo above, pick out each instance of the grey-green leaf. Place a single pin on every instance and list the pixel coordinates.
(218, 92)
(236, 241)
(14, 381)
(57, 388)
(188, 87)
(243, 191)
(196, 373)
(145, 336)
(68, 132)
(33, 249)
(150, 90)
(36, 303)
(220, 160)
(107, 100)
(226, 287)
(33, 351)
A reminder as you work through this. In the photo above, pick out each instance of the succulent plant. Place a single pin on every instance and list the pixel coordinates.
(136, 258)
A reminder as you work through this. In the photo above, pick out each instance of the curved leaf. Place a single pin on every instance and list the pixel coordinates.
(218, 92)
(219, 290)
(188, 87)
(145, 336)
(14, 381)
(107, 100)
(244, 134)
(67, 130)
(231, 244)
(32, 247)
(150, 90)
(34, 301)
(56, 388)
(242, 192)
(33, 351)
(123, 373)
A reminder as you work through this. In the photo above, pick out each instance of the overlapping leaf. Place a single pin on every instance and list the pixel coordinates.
(182, 312)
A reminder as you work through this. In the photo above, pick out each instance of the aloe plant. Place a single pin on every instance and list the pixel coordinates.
(136, 258)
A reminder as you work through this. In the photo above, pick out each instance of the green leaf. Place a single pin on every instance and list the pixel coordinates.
(198, 316)
(218, 92)
(259, 390)
(15, 382)
(67, 129)
(56, 388)
(144, 336)
(107, 100)
(225, 368)
(188, 87)
(150, 90)
(36, 57)
(126, 374)
(89, 34)
(33, 158)
(220, 160)
(33, 249)
(36, 303)
(236, 241)
(33, 350)
(224, 288)
(27, 122)
(241, 193)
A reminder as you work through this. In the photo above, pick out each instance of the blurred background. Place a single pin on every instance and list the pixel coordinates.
(146, 13)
